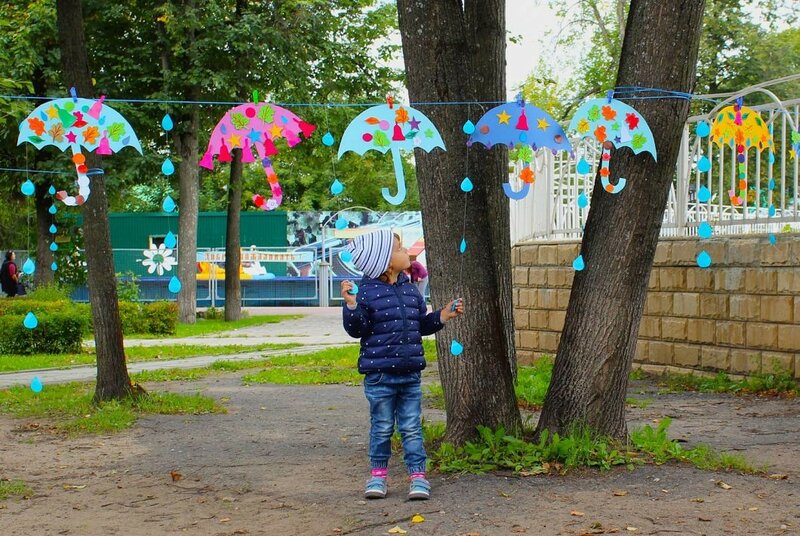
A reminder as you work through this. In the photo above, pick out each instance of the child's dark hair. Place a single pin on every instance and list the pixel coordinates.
(9, 253)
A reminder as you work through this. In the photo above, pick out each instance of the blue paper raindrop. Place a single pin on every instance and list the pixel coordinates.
(54, 266)
(346, 256)
(703, 129)
(704, 164)
(583, 201)
(337, 187)
(456, 348)
(771, 210)
(29, 266)
(167, 168)
(469, 127)
(170, 240)
(27, 187)
(771, 184)
(36, 384)
(583, 167)
(53, 246)
(328, 139)
(166, 122)
(523, 137)
(52, 209)
(772, 239)
(341, 223)
(463, 246)
(169, 204)
(771, 158)
(174, 285)
(703, 260)
(53, 229)
(30, 321)
(466, 185)
(51, 190)
(578, 263)
(703, 194)
(705, 230)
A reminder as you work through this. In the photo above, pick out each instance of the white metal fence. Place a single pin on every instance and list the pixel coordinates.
(551, 211)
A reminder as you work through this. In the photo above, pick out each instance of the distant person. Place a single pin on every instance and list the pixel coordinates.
(9, 275)
(390, 317)
(419, 275)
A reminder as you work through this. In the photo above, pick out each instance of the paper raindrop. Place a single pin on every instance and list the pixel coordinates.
(337, 187)
(328, 139)
(703, 194)
(27, 187)
(169, 204)
(463, 246)
(466, 185)
(174, 285)
(29, 266)
(36, 384)
(578, 263)
(703, 260)
(30, 321)
(583, 167)
(456, 348)
(167, 168)
(170, 240)
(166, 123)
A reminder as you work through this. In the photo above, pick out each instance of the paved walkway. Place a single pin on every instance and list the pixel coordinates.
(318, 329)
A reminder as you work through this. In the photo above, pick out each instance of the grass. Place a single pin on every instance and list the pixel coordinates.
(13, 363)
(205, 327)
(71, 409)
(496, 450)
(764, 384)
(14, 488)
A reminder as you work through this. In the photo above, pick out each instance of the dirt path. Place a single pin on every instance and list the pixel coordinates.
(292, 460)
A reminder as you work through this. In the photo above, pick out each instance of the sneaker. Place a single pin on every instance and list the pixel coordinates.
(376, 488)
(419, 490)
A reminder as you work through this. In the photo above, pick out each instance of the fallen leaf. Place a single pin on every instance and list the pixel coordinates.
(723, 485)
(224, 520)
(240, 531)
(778, 476)
(707, 519)
(337, 529)
(417, 519)
(576, 513)
(518, 529)
(631, 529)
(753, 509)
(620, 493)
(698, 500)
(504, 494)
(71, 487)
(175, 475)
(397, 530)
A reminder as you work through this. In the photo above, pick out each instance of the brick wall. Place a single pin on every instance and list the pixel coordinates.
(742, 315)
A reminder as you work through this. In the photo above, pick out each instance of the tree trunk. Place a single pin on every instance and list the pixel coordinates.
(44, 257)
(233, 283)
(598, 343)
(189, 176)
(113, 381)
(455, 53)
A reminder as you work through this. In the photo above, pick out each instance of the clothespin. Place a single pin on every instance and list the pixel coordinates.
(610, 95)
(739, 103)
(255, 96)
(74, 94)
(390, 101)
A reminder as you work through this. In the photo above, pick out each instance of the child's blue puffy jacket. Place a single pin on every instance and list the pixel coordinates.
(390, 320)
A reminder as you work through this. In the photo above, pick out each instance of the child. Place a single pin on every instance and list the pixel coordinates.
(390, 317)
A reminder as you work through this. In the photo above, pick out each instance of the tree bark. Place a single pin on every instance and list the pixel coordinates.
(233, 283)
(113, 381)
(598, 343)
(44, 257)
(457, 53)
(189, 188)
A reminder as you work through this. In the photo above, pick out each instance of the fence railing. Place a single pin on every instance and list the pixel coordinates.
(551, 210)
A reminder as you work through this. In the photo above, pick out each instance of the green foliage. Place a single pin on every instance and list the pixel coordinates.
(212, 313)
(13, 488)
(497, 450)
(57, 333)
(49, 293)
(72, 411)
(128, 287)
(157, 318)
(780, 383)
(205, 327)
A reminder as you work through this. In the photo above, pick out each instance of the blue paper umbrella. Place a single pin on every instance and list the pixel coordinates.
(74, 123)
(514, 124)
(614, 124)
(390, 127)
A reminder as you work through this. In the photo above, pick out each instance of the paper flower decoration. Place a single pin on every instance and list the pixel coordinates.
(517, 123)
(258, 125)
(391, 127)
(614, 124)
(158, 259)
(73, 123)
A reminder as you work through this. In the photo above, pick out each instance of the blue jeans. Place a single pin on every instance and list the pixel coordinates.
(395, 398)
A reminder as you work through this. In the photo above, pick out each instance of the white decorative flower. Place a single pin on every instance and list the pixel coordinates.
(158, 259)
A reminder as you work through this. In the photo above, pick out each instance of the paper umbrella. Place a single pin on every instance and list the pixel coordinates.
(390, 127)
(257, 125)
(614, 124)
(742, 128)
(514, 124)
(73, 123)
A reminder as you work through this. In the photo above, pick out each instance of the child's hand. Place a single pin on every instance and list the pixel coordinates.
(349, 299)
(453, 309)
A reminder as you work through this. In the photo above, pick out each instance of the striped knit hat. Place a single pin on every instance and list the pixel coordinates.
(372, 252)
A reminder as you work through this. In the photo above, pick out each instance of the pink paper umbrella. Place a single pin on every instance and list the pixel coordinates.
(257, 125)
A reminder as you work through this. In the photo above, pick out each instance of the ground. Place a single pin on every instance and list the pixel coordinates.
(292, 460)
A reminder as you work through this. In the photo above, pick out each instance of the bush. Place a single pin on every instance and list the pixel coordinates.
(162, 318)
(57, 333)
(49, 293)
(133, 318)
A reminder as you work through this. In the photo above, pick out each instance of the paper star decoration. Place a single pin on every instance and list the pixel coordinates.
(503, 117)
(542, 123)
